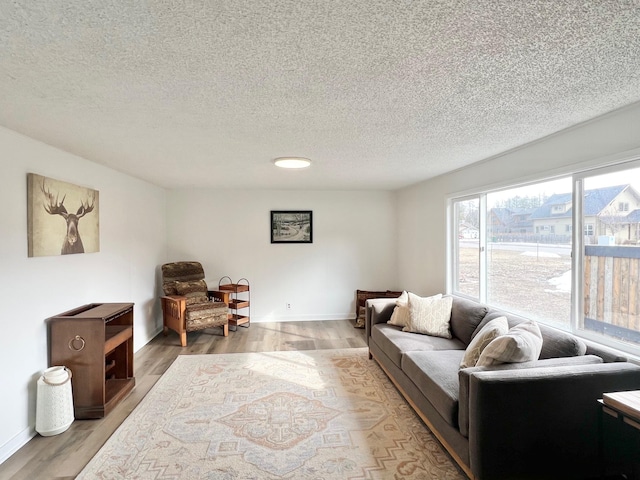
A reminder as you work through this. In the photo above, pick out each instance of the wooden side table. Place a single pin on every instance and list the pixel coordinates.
(95, 342)
(624, 408)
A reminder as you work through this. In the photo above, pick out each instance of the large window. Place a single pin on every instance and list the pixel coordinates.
(529, 250)
(565, 252)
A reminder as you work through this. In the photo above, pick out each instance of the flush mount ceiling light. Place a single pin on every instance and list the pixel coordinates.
(292, 162)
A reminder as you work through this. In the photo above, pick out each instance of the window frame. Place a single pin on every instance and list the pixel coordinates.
(452, 244)
(577, 231)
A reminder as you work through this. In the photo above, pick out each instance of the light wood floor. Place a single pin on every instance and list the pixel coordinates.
(64, 456)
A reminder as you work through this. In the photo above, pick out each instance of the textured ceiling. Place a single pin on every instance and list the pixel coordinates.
(380, 94)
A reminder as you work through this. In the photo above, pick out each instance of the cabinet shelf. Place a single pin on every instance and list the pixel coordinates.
(116, 335)
(116, 389)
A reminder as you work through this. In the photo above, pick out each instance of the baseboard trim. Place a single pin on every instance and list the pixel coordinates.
(302, 318)
(16, 443)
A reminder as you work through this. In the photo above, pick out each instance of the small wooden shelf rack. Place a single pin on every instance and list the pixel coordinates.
(239, 298)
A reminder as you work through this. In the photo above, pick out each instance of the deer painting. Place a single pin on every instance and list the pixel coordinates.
(72, 242)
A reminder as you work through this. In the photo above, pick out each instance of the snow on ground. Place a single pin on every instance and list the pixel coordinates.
(562, 283)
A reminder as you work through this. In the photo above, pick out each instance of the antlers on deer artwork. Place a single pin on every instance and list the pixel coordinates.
(72, 242)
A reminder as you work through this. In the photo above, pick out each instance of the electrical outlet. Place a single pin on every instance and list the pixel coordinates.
(288, 305)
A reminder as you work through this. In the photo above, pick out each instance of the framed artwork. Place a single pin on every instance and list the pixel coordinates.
(62, 218)
(291, 226)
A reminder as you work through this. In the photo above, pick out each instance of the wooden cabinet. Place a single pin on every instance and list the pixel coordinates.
(95, 342)
(239, 300)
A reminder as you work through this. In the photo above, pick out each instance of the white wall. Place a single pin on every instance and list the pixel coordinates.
(421, 208)
(354, 245)
(132, 245)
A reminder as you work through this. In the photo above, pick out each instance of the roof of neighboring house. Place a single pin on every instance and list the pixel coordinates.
(503, 215)
(513, 217)
(595, 201)
(506, 214)
(634, 216)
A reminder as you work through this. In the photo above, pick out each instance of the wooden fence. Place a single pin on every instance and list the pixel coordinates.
(612, 290)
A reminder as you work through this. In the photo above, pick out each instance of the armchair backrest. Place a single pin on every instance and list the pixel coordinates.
(180, 272)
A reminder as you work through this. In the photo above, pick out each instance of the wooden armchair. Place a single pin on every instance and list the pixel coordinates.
(187, 303)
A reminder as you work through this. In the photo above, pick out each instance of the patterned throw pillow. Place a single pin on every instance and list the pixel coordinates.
(400, 315)
(522, 343)
(195, 291)
(493, 329)
(429, 315)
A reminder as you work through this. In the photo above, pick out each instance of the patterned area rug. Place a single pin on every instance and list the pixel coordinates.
(320, 414)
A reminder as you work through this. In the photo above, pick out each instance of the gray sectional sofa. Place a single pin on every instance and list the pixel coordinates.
(531, 420)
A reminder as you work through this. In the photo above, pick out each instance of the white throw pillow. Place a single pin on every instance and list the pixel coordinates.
(522, 343)
(493, 329)
(400, 314)
(429, 315)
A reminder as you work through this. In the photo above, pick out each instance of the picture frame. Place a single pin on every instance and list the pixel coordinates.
(62, 218)
(291, 226)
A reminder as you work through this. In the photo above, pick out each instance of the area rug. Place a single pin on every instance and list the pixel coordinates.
(320, 414)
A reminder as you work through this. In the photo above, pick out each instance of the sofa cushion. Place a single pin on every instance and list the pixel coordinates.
(435, 374)
(400, 315)
(522, 343)
(555, 343)
(394, 342)
(465, 373)
(429, 315)
(466, 315)
(493, 329)
(608, 354)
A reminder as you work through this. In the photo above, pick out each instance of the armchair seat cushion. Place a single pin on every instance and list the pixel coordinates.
(205, 315)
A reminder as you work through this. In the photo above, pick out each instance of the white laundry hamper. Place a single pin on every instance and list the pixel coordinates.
(54, 403)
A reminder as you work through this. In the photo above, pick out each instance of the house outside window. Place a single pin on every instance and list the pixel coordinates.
(588, 230)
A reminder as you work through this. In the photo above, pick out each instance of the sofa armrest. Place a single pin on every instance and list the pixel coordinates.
(607, 354)
(377, 310)
(541, 422)
(465, 373)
